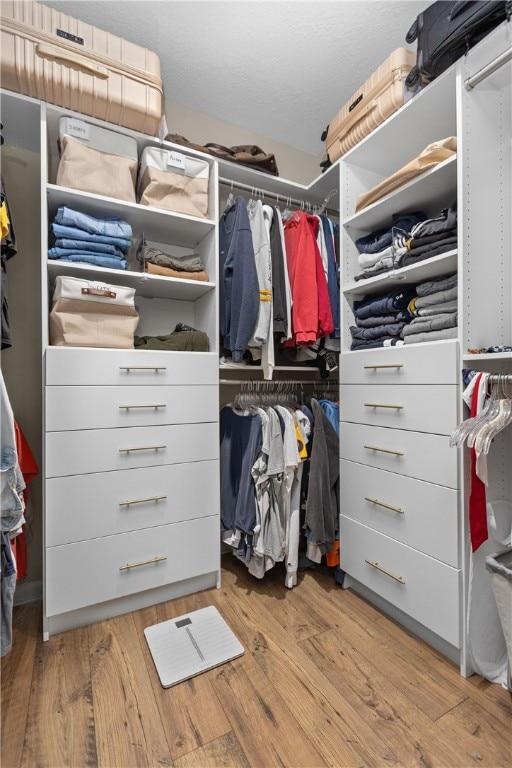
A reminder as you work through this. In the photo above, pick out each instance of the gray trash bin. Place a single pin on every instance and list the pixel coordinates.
(500, 567)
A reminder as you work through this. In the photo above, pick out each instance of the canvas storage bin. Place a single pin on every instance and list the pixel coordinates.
(173, 181)
(96, 160)
(88, 313)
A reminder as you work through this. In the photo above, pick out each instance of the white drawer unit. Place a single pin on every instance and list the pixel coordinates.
(421, 515)
(130, 367)
(95, 407)
(415, 454)
(420, 586)
(94, 571)
(83, 507)
(419, 407)
(433, 363)
(104, 450)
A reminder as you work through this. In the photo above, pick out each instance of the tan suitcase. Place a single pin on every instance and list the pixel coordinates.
(53, 57)
(381, 95)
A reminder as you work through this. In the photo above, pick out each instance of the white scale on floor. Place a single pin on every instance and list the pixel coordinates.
(190, 644)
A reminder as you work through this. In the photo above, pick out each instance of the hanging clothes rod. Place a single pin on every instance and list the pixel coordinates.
(267, 384)
(285, 198)
(488, 70)
(506, 377)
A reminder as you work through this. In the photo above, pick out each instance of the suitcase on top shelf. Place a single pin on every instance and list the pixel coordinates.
(381, 95)
(53, 57)
(446, 30)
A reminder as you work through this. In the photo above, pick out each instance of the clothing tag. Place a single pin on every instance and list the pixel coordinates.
(79, 129)
(176, 159)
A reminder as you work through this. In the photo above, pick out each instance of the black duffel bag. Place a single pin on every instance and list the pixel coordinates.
(446, 30)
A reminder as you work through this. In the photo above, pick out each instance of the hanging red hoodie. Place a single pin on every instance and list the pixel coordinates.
(300, 259)
(325, 321)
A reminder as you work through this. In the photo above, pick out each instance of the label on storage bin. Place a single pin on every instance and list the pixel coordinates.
(79, 129)
(176, 159)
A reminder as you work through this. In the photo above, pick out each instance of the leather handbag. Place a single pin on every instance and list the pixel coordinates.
(249, 155)
(87, 313)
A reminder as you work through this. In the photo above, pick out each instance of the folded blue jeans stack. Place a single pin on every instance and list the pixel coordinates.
(85, 239)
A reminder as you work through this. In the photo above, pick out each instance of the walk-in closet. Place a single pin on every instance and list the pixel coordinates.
(256, 399)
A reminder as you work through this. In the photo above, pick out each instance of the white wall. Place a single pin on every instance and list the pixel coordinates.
(293, 164)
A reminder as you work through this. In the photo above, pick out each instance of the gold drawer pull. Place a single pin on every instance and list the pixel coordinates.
(151, 405)
(381, 405)
(400, 579)
(155, 368)
(386, 506)
(157, 559)
(384, 450)
(142, 448)
(388, 365)
(140, 501)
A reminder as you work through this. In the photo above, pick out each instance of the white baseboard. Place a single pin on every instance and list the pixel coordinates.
(28, 592)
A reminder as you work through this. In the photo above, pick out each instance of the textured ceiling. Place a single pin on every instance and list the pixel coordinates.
(280, 68)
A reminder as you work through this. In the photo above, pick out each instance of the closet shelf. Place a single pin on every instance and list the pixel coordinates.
(432, 191)
(444, 264)
(160, 225)
(488, 356)
(152, 286)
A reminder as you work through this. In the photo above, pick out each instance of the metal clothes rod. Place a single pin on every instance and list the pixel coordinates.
(500, 377)
(264, 382)
(488, 70)
(277, 196)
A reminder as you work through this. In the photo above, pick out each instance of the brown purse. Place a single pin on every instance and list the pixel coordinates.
(249, 155)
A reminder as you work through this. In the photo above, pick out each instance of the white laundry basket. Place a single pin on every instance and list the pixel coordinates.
(500, 567)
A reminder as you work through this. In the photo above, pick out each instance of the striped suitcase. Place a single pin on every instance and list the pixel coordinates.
(53, 57)
(380, 96)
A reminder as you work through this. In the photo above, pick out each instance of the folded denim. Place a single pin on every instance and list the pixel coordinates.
(111, 226)
(61, 253)
(108, 262)
(433, 286)
(73, 233)
(446, 333)
(381, 238)
(85, 245)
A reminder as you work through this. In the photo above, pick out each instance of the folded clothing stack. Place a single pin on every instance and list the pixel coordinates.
(184, 338)
(430, 238)
(434, 311)
(157, 259)
(380, 320)
(85, 239)
(379, 251)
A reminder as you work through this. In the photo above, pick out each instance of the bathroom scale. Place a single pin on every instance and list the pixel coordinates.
(190, 644)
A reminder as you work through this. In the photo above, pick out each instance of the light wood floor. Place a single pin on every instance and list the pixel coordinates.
(326, 680)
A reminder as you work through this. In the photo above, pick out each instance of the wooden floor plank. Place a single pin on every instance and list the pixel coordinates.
(190, 711)
(405, 668)
(224, 752)
(60, 727)
(16, 681)
(339, 734)
(470, 724)
(129, 730)
(302, 695)
(299, 624)
(402, 726)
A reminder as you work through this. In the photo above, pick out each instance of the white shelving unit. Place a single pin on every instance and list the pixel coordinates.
(394, 451)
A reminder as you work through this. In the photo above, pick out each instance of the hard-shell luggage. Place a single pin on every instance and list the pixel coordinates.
(53, 57)
(446, 30)
(380, 96)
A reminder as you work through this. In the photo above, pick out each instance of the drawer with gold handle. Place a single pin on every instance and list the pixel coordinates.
(398, 510)
(151, 561)
(410, 364)
(420, 586)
